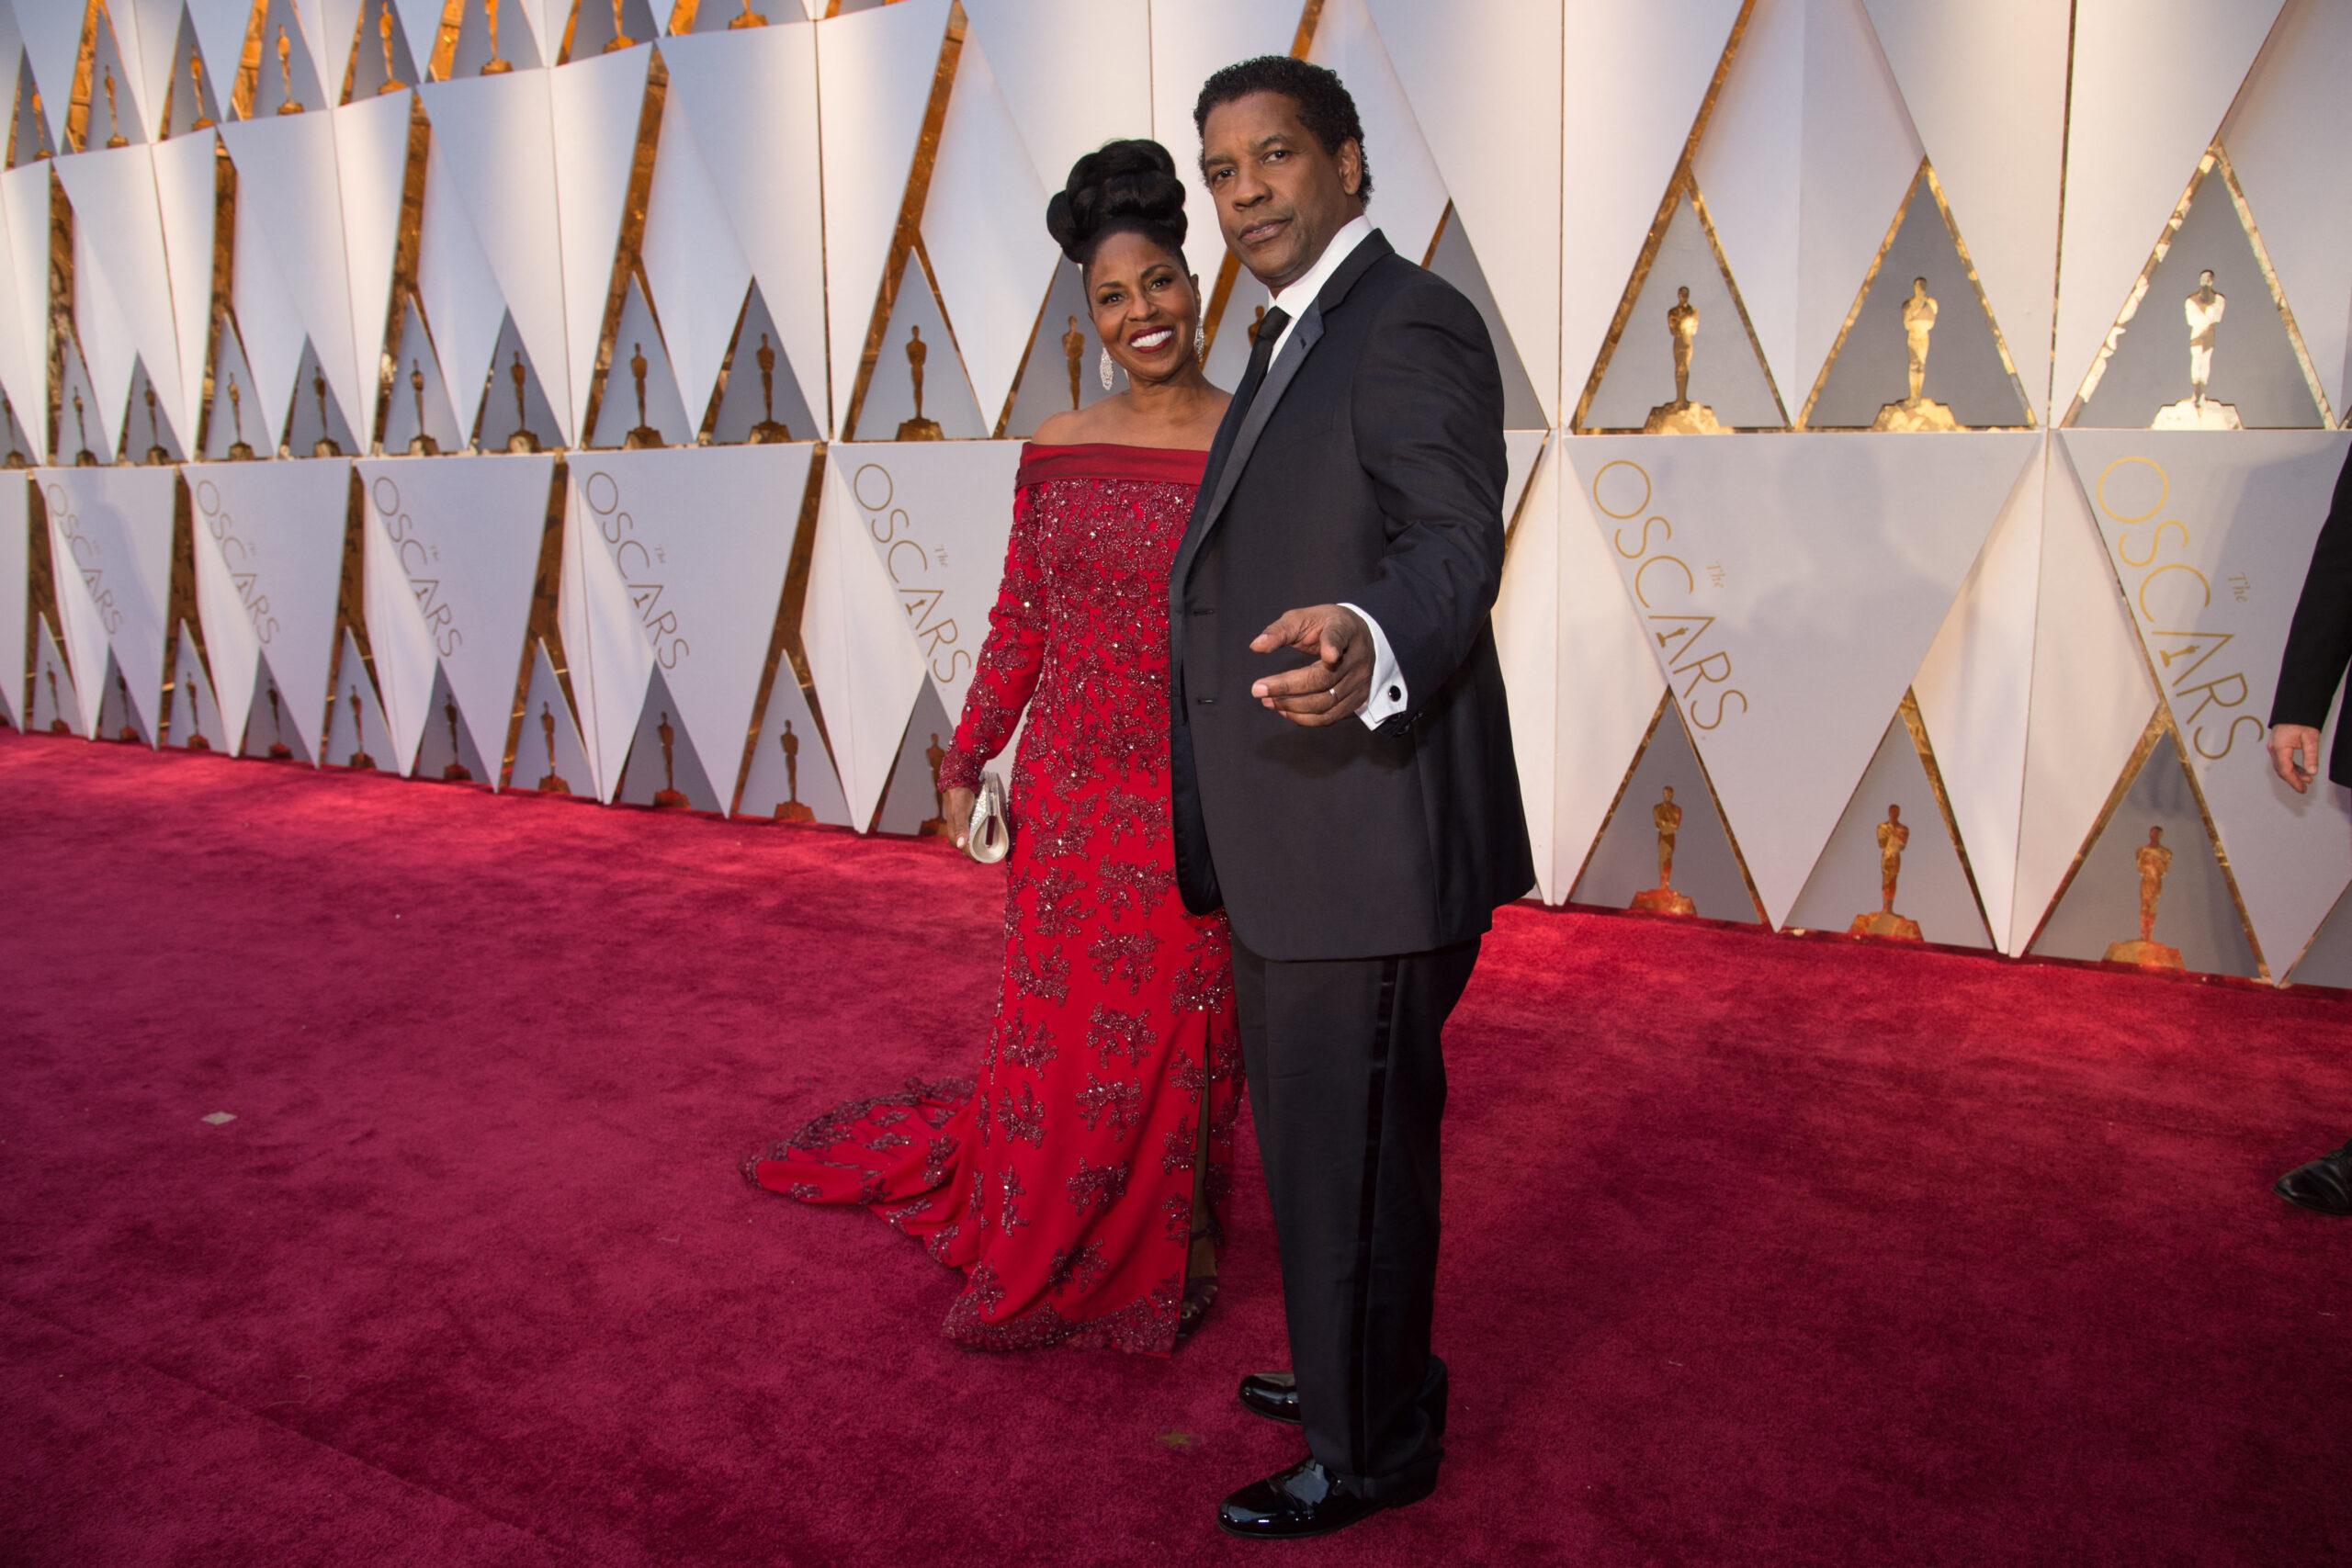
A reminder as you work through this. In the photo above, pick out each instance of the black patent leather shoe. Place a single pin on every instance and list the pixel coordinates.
(1304, 1500)
(2324, 1186)
(1274, 1395)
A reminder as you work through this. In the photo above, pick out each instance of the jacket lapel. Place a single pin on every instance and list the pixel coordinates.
(1209, 505)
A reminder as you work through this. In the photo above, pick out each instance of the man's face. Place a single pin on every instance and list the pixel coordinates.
(1280, 197)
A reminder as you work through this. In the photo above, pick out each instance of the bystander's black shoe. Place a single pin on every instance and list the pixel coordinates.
(1306, 1500)
(2324, 1186)
(1274, 1395)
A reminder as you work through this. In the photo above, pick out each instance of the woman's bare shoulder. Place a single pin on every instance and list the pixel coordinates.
(1064, 429)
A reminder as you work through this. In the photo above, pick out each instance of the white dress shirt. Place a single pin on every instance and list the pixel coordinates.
(1388, 697)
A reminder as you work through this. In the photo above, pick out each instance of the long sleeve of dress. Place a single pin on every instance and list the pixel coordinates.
(1011, 658)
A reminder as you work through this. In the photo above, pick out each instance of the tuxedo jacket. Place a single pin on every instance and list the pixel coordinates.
(1368, 470)
(2319, 642)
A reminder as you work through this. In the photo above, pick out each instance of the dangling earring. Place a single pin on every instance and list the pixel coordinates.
(1199, 342)
(1107, 372)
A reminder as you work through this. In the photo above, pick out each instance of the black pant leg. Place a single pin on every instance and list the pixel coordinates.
(1346, 1086)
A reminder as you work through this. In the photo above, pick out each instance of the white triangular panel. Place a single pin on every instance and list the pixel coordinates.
(1986, 84)
(1474, 90)
(693, 261)
(2152, 80)
(596, 104)
(1636, 76)
(611, 662)
(1047, 56)
(123, 293)
(52, 34)
(1408, 193)
(508, 202)
(221, 27)
(2297, 182)
(2091, 699)
(1520, 448)
(271, 328)
(751, 101)
(1188, 44)
(1751, 168)
(876, 90)
(452, 547)
(421, 25)
(268, 544)
(983, 229)
(2219, 518)
(140, 74)
(865, 666)
(1975, 688)
(356, 728)
(195, 713)
(371, 164)
(24, 329)
(15, 561)
(187, 186)
(291, 162)
(110, 538)
(547, 751)
(56, 701)
(1527, 640)
(1791, 585)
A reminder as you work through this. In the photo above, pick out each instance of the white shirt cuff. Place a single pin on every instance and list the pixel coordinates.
(1388, 698)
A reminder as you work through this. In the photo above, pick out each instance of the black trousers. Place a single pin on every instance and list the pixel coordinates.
(1346, 1086)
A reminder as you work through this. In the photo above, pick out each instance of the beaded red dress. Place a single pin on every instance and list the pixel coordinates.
(1063, 1182)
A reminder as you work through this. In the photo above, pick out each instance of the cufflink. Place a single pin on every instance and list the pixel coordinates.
(1394, 695)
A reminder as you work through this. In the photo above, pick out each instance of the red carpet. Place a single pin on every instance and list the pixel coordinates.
(1759, 1251)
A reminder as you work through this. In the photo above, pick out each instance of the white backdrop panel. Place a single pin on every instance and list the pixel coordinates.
(695, 542)
(2152, 81)
(371, 161)
(15, 561)
(1409, 193)
(1527, 640)
(451, 547)
(750, 101)
(290, 210)
(693, 261)
(110, 538)
(1188, 43)
(1048, 58)
(23, 300)
(1985, 84)
(268, 561)
(875, 93)
(596, 105)
(2224, 532)
(123, 294)
(1635, 77)
(1791, 585)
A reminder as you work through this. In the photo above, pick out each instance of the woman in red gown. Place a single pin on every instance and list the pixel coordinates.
(1080, 1183)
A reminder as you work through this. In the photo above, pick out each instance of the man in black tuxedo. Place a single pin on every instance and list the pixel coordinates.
(1342, 774)
(2319, 645)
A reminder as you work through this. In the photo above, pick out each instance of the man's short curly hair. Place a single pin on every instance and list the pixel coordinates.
(1324, 104)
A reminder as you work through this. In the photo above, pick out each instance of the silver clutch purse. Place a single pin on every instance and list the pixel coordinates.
(989, 837)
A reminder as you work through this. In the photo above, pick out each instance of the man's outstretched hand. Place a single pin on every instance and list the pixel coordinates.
(2294, 754)
(1332, 688)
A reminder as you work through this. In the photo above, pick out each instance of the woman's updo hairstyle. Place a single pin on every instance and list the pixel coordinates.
(1120, 186)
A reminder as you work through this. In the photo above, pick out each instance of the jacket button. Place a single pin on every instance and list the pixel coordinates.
(1205, 702)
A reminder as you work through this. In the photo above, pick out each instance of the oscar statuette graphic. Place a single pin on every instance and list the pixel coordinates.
(84, 459)
(127, 731)
(155, 452)
(552, 784)
(1918, 412)
(620, 39)
(1663, 899)
(457, 772)
(393, 82)
(57, 725)
(325, 445)
(668, 797)
(790, 808)
(285, 73)
(2202, 311)
(644, 436)
(495, 65)
(524, 439)
(360, 763)
(2153, 861)
(768, 431)
(1884, 922)
(16, 458)
(420, 444)
(1682, 417)
(749, 18)
(113, 124)
(279, 751)
(1074, 350)
(40, 129)
(240, 451)
(918, 428)
(1257, 322)
(196, 741)
(935, 825)
(196, 79)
